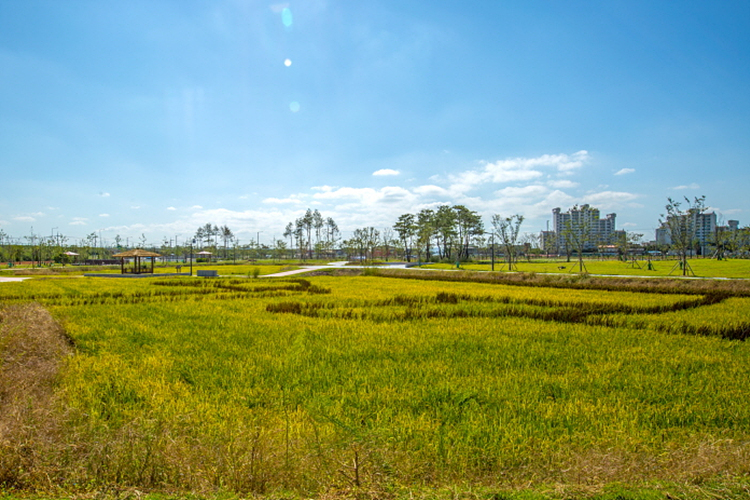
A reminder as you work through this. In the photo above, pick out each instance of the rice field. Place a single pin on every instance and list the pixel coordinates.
(374, 387)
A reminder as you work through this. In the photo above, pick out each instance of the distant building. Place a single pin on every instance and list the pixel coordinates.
(704, 225)
(584, 219)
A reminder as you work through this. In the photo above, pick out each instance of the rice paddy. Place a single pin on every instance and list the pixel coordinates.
(377, 387)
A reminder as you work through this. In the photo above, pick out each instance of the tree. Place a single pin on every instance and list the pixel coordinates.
(406, 228)
(371, 240)
(279, 249)
(227, 235)
(577, 234)
(332, 235)
(468, 226)
(289, 233)
(682, 225)
(425, 231)
(387, 241)
(317, 224)
(445, 230)
(507, 230)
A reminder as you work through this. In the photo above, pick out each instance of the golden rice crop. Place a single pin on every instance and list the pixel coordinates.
(373, 383)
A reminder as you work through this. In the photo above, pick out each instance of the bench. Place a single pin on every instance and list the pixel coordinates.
(208, 273)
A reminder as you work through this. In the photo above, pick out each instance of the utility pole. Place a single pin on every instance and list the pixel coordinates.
(492, 250)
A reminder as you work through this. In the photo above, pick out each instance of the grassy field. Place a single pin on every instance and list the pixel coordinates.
(729, 268)
(374, 387)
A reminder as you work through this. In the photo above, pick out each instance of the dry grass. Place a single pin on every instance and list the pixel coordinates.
(32, 347)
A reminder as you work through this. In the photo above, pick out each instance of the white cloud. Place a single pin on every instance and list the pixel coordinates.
(24, 218)
(103, 215)
(523, 192)
(624, 171)
(196, 207)
(171, 208)
(282, 201)
(135, 207)
(684, 187)
(104, 195)
(606, 200)
(386, 171)
(517, 170)
(563, 184)
(731, 211)
(79, 221)
(430, 190)
(366, 196)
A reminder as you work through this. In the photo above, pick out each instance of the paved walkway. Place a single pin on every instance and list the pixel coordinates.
(7, 279)
(331, 265)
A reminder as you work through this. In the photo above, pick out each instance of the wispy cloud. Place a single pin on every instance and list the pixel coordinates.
(563, 184)
(517, 170)
(685, 186)
(171, 209)
(607, 200)
(366, 196)
(103, 215)
(385, 172)
(625, 171)
(103, 194)
(283, 201)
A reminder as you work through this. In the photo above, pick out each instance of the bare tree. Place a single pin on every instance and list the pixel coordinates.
(507, 230)
(682, 226)
(577, 234)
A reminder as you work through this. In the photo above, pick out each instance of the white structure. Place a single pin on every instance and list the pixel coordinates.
(704, 227)
(585, 223)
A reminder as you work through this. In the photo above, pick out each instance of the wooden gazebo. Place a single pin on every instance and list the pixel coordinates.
(137, 254)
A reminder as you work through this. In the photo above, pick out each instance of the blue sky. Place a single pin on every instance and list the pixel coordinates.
(155, 117)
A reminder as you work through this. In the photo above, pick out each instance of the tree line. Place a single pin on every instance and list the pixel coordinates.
(451, 233)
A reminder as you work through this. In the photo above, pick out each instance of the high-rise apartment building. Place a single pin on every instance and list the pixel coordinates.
(703, 226)
(583, 224)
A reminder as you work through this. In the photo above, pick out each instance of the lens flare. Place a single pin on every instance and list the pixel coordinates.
(286, 17)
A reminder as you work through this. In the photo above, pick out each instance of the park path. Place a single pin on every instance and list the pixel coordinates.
(7, 279)
(330, 265)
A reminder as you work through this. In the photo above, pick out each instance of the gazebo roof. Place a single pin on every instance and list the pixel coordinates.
(205, 252)
(137, 252)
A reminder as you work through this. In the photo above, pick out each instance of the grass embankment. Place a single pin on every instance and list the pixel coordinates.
(376, 387)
